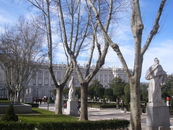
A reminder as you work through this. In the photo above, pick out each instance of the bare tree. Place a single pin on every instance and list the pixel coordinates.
(46, 7)
(20, 48)
(134, 78)
(74, 25)
(73, 15)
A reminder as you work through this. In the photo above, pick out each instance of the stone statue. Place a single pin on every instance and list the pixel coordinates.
(72, 100)
(157, 77)
(72, 90)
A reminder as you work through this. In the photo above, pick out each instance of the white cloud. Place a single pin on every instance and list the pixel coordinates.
(122, 35)
(2, 30)
(163, 52)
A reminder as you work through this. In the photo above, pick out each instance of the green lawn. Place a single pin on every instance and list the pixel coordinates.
(42, 111)
(4, 101)
(41, 115)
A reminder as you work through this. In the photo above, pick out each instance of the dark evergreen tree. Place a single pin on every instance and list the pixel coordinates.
(10, 115)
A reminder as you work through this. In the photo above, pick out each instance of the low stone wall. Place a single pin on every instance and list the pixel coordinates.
(18, 108)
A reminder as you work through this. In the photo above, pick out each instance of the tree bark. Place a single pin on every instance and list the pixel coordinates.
(84, 102)
(58, 101)
(17, 96)
(135, 115)
(23, 95)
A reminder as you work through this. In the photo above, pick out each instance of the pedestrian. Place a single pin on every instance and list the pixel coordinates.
(65, 105)
(117, 103)
(122, 105)
(78, 107)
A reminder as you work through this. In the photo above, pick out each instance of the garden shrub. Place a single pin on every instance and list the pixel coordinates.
(10, 115)
(143, 110)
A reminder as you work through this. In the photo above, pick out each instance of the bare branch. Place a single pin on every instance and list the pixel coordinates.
(155, 27)
(38, 5)
(63, 26)
(114, 46)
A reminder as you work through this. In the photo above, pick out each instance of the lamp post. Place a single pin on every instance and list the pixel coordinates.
(37, 93)
(171, 98)
(1, 94)
(48, 100)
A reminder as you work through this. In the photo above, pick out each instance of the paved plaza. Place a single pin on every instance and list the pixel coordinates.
(104, 114)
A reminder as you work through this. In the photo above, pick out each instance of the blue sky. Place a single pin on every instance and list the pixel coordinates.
(161, 46)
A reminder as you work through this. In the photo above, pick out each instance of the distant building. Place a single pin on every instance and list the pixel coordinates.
(41, 83)
(119, 72)
(3, 92)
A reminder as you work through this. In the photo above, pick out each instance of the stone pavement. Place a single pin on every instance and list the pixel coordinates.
(104, 114)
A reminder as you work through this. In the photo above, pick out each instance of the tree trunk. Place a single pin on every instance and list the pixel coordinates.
(58, 101)
(84, 102)
(17, 96)
(10, 95)
(135, 117)
(23, 95)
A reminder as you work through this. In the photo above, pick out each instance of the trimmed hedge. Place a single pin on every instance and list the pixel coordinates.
(17, 126)
(108, 106)
(36, 105)
(80, 125)
(3, 98)
(101, 105)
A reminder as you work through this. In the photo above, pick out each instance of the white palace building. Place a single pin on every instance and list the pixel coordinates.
(41, 84)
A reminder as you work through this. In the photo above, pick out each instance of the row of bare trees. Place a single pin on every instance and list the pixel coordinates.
(78, 30)
(81, 25)
(20, 54)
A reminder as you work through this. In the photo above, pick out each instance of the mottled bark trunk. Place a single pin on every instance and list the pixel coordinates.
(23, 95)
(135, 117)
(84, 102)
(11, 96)
(58, 101)
(17, 96)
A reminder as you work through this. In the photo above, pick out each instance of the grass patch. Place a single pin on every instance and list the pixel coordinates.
(41, 115)
(42, 111)
(4, 101)
(46, 118)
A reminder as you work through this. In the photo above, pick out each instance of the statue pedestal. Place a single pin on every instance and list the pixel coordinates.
(156, 117)
(72, 107)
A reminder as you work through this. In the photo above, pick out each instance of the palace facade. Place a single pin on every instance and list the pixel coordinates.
(41, 83)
